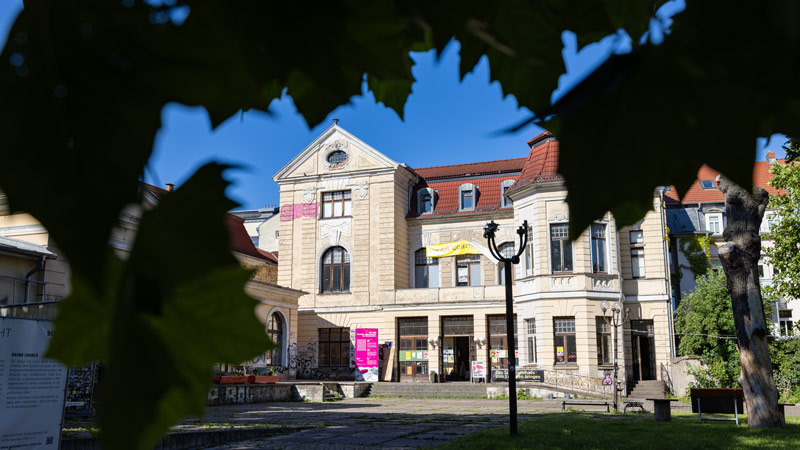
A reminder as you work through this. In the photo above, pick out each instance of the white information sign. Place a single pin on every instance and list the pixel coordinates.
(31, 387)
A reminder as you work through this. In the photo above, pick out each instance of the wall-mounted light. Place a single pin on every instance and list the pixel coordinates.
(432, 342)
(479, 341)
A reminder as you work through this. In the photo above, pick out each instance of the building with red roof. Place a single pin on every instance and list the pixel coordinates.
(698, 215)
(377, 244)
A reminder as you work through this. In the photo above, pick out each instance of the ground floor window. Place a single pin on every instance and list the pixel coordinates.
(498, 340)
(603, 341)
(334, 347)
(564, 345)
(530, 326)
(413, 348)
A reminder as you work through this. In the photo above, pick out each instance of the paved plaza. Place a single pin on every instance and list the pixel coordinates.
(401, 423)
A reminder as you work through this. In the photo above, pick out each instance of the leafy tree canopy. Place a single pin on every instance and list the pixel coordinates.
(83, 85)
(784, 234)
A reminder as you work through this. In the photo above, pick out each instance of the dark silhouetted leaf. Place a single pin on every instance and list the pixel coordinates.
(176, 307)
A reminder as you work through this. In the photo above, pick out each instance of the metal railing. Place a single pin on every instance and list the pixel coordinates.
(38, 310)
(577, 383)
(15, 291)
(666, 379)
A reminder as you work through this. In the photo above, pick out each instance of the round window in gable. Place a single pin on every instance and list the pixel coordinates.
(337, 158)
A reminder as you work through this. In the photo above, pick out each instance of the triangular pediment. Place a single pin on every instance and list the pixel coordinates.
(314, 159)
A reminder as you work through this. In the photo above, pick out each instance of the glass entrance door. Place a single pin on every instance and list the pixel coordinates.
(456, 349)
(413, 349)
(644, 354)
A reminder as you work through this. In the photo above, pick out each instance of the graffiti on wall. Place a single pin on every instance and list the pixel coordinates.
(292, 211)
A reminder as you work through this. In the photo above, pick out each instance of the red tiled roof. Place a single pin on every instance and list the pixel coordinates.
(696, 193)
(240, 241)
(446, 202)
(272, 256)
(541, 165)
(472, 169)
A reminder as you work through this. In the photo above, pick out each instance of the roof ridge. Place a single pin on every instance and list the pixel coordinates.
(472, 163)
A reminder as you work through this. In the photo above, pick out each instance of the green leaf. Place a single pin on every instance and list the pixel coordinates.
(655, 116)
(172, 310)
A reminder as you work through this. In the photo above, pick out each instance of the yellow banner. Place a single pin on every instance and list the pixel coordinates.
(451, 249)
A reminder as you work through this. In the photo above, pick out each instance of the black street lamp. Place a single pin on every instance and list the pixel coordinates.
(617, 319)
(488, 233)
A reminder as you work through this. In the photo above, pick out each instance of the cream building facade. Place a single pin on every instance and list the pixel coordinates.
(560, 299)
(354, 230)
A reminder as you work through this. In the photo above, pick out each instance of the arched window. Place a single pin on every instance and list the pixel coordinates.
(506, 251)
(426, 270)
(274, 357)
(335, 270)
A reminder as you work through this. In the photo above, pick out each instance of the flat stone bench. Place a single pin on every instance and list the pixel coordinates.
(584, 403)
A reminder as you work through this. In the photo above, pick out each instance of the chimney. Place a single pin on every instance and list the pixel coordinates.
(771, 157)
(335, 121)
(170, 187)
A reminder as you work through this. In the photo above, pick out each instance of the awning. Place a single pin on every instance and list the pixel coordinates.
(461, 247)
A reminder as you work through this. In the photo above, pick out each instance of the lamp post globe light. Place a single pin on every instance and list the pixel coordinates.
(617, 319)
(488, 233)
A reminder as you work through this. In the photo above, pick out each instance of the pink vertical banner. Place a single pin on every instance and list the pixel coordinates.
(366, 352)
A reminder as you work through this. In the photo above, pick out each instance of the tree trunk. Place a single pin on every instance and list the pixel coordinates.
(739, 255)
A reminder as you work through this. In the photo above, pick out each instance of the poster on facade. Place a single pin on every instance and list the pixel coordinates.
(366, 354)
(31, 387)
(478, 369)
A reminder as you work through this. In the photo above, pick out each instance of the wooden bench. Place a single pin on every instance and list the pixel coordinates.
(722, 401)
(584, 403)
(662, 408)
(633, 404)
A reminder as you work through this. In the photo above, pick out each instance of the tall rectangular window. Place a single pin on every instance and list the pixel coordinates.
(714, 223)
(498, 340)
(599, 248)
(786, 323)
(334, 347)
(468, 270)
(467, 200)
(336, 204)
(529, 255)
(603, 341)
(560, 248)
(564, 344)
(637, 254)
(426, 270)
(530, 328)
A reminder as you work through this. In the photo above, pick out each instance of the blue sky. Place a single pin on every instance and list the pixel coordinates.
(447, 121)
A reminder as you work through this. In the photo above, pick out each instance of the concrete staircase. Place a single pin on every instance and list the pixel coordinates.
(427, 390)
(647, 389)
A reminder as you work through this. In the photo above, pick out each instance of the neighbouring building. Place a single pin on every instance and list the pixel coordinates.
(377, 244)
(262, 226)
(34, 277)
(696, 221)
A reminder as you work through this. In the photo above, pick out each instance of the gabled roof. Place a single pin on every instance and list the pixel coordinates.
(314, 146)
(697, 194)
(541, 165)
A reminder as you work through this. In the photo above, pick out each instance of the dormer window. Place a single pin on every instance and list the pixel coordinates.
(467, 197)
(707, 184)
(425, 200)
(504, 187)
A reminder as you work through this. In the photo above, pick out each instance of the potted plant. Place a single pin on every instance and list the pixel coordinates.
(272, 376)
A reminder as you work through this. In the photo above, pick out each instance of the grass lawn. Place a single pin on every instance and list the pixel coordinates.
(570, 430)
